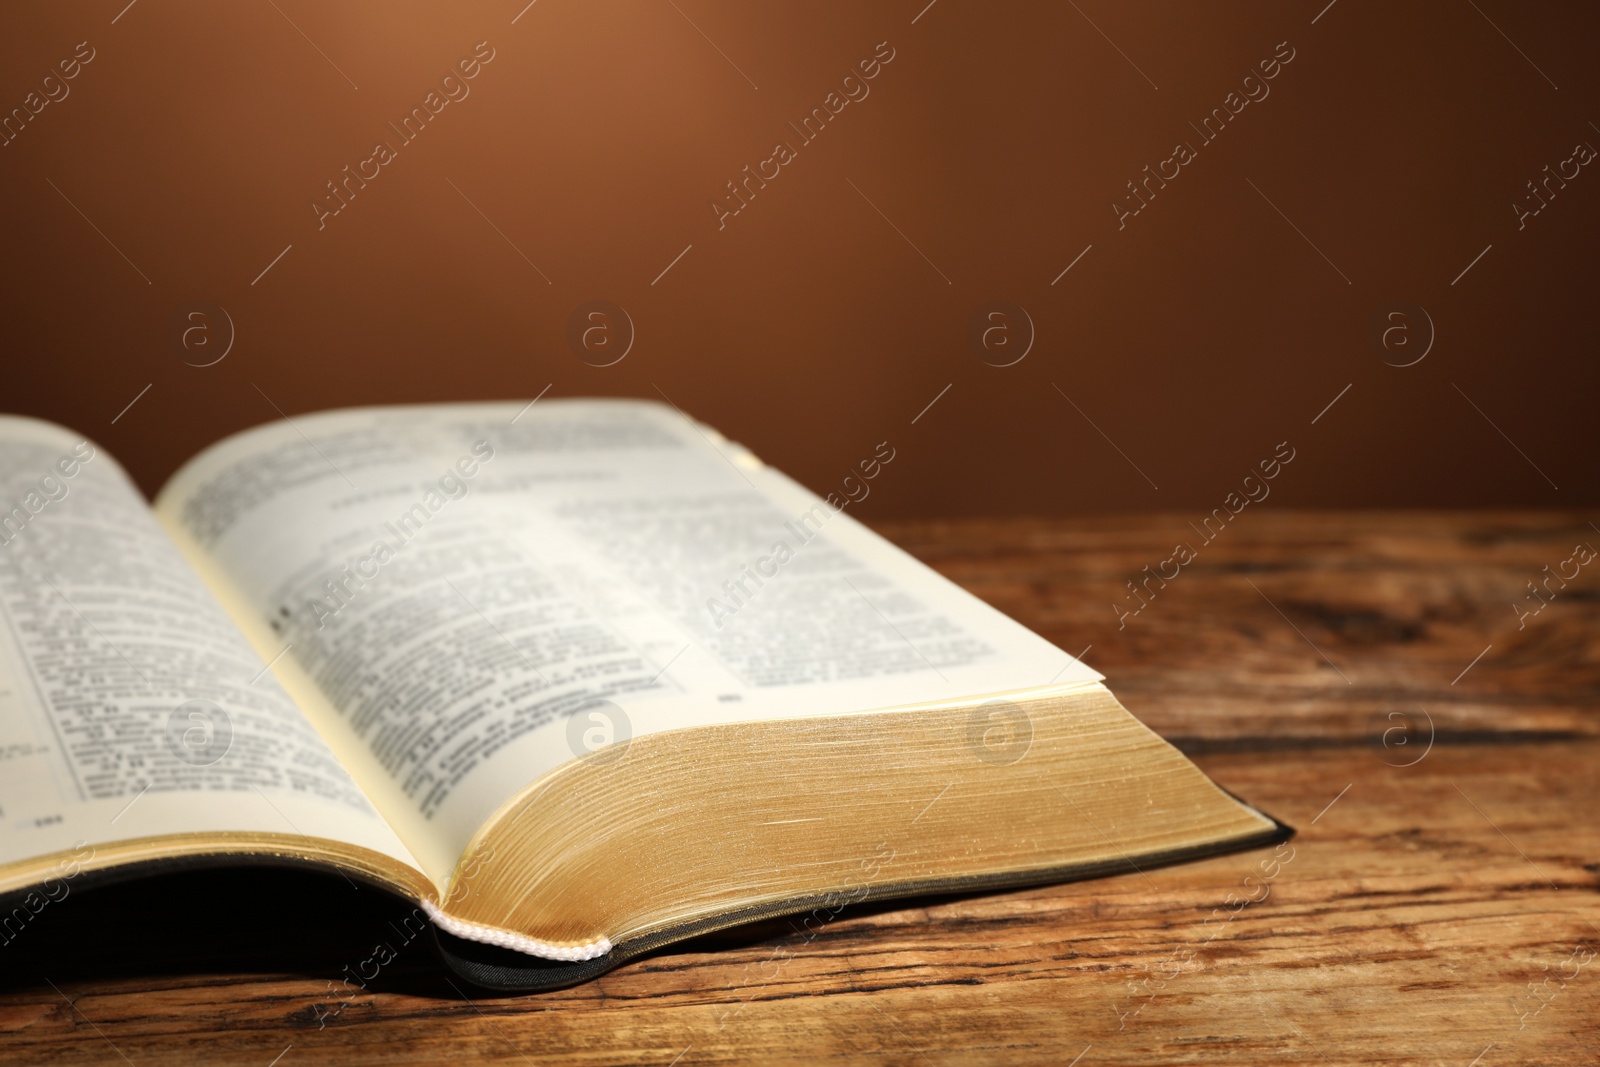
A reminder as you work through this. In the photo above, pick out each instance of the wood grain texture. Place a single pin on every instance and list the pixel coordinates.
(1438, 905)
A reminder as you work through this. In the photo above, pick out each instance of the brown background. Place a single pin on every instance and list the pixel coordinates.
(1196, 338)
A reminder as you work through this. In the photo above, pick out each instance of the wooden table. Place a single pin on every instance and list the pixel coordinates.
(1363, 677)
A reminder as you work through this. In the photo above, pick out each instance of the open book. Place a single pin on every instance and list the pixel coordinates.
(579, 678)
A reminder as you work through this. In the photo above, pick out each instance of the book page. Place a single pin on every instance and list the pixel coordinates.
(479, 593)
(130, 704)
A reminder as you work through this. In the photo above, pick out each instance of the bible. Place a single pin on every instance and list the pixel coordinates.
(578, 678)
